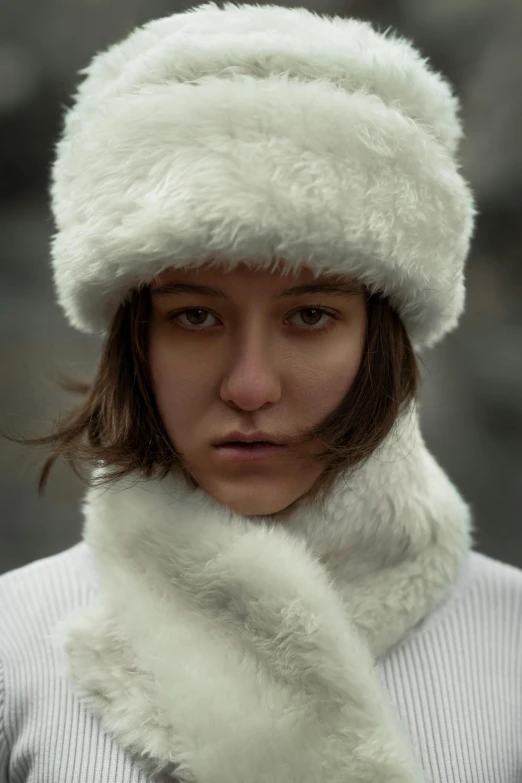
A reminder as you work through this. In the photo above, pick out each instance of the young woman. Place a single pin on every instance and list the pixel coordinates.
(261, 209)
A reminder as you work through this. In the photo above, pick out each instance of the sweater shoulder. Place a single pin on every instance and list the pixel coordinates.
(486, 572)
(496, 588)
(455, 680)
(34, 597)
(482, 577)
(486, 592)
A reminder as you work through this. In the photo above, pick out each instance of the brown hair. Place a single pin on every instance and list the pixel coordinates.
(118, 422)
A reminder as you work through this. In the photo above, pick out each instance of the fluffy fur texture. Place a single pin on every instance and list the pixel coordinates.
(264, 134)
(226, 650)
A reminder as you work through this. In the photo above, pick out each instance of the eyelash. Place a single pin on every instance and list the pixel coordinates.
(173, 316)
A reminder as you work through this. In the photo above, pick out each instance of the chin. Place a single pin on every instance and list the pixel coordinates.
(248, 507)
(261, 498)
(258, 510)
(253, 511)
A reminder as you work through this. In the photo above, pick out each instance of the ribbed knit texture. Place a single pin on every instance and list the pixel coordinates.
(455, 681)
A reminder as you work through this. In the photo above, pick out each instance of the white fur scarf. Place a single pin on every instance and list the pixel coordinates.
(231, 650)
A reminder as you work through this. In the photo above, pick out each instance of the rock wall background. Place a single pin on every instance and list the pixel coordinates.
(472, 385)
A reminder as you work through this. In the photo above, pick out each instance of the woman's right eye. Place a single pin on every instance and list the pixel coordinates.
(198, 321)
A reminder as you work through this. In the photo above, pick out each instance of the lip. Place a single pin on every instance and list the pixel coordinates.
(236, 435)
(248, 452)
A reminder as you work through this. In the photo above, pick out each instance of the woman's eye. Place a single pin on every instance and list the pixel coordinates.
(316, 311)
(317, 318)
(196, 322)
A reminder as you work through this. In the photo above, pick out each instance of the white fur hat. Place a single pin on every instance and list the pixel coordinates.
(266, 135)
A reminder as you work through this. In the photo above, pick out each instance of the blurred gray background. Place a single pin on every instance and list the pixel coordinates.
(472, 385)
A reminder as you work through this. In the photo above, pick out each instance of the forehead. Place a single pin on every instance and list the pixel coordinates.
(244, 275)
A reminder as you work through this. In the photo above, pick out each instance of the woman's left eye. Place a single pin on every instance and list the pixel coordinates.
(318, 311)
(192, 327)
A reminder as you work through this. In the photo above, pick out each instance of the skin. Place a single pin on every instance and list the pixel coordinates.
(251, 362)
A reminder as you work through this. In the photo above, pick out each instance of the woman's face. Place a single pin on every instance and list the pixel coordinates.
(252, 358)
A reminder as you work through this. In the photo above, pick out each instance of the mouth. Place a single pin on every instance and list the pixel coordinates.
(249, 443)
(239, 451)
(238, 438)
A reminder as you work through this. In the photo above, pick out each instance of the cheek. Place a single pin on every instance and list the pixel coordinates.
(180, 385)
(168, 382)
(317, 383)
(322, 389)
(328, 374)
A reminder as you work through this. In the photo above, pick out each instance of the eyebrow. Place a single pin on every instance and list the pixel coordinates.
(347, 289)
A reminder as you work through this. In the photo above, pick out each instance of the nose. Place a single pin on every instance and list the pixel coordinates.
(251, 375)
